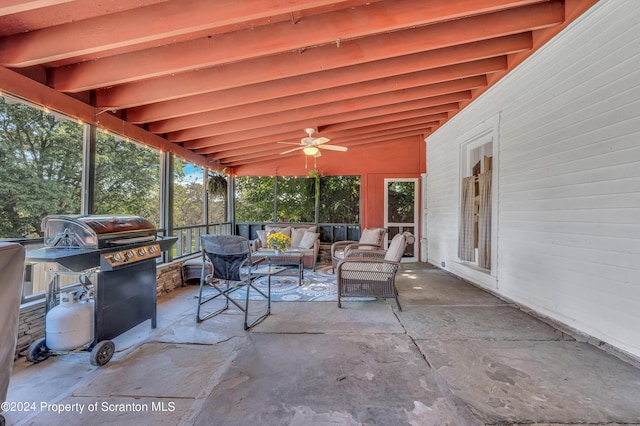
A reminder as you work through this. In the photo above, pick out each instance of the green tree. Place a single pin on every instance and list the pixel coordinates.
(41, 168)
(187, 194)
(296, 200)
(339, 199)
(127, 179)
(401, 196)
(254, 199)
(41, 158)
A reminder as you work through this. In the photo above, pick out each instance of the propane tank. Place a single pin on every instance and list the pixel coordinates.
(69, 325)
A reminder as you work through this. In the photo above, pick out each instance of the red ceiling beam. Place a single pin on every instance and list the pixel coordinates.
(228, 151)
(10, 7)
(259, 143)
(141, 25)
(401, 82)
(311, 114)
(353, 52)
(271, 134)
(436, 104)
(427, 113)
(330, 79)
(266, 40)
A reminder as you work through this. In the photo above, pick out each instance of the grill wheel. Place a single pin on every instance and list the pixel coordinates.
(102, 352)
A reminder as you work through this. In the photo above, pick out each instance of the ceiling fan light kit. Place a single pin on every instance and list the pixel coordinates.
(310, 150)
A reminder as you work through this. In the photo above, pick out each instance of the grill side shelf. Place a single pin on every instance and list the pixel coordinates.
(76, 260)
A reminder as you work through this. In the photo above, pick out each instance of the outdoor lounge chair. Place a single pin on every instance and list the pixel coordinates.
(371, 238)
(230, 257)
(372, 272)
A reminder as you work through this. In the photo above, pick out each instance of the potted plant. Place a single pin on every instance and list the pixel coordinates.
(278, 242)
(217, 183)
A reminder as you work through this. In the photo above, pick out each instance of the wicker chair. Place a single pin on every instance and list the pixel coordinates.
(372, 272)
(228, 255)
(371, 238)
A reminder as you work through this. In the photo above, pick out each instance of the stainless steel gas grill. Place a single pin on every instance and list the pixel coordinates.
(113, 260)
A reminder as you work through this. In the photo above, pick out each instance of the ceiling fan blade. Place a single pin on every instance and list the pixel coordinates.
(289, 143)
(333, 147)
(321, 140)
(291, 150)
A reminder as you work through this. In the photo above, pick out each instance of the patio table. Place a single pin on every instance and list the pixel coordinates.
(287, 258)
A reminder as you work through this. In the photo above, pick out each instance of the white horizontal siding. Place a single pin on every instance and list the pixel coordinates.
(568, 178)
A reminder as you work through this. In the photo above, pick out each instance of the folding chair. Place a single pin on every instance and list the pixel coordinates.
(228, 254)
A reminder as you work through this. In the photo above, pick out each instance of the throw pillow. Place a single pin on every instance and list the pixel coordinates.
(308, 240)
(296, 236)
(370, 236)
(262, 235)
(286, 231)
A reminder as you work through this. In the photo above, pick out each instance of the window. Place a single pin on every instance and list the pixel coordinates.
(296, 200)
(41, 173)
(476, 218)
(217, 197)
(188, 201)
(339, 199)
(188, 207)
(127, 178)
(254, 199)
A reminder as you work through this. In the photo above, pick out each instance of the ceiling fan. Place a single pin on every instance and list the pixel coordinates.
(310, 145)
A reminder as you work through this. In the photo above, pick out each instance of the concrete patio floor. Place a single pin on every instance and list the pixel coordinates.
(455, 355)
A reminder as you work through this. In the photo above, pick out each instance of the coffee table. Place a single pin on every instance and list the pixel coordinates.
(287, 258)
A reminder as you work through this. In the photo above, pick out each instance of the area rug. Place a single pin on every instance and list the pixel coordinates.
(317, 286)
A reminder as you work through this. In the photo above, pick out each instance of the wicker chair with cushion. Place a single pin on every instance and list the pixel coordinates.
(372, 273)
(371, 238)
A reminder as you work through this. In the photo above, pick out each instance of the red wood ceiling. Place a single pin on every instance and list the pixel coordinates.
(228, 79)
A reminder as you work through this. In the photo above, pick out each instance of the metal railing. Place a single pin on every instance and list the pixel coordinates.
(188, 242)
(329, 232)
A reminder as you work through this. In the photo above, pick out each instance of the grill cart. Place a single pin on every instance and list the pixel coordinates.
(101, 282)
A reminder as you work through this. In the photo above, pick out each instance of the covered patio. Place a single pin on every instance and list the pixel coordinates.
(454, 355)
(528, 316)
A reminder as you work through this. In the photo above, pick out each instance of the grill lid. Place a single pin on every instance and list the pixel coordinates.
(94, 231)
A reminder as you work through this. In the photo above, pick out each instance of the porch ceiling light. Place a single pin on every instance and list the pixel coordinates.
(310, 150)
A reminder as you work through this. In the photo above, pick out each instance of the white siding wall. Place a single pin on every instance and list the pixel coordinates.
(568, 178)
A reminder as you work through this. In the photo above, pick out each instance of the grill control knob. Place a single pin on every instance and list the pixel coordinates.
(142, 251)
(117, 257)
(152, 249)
(129, 254)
